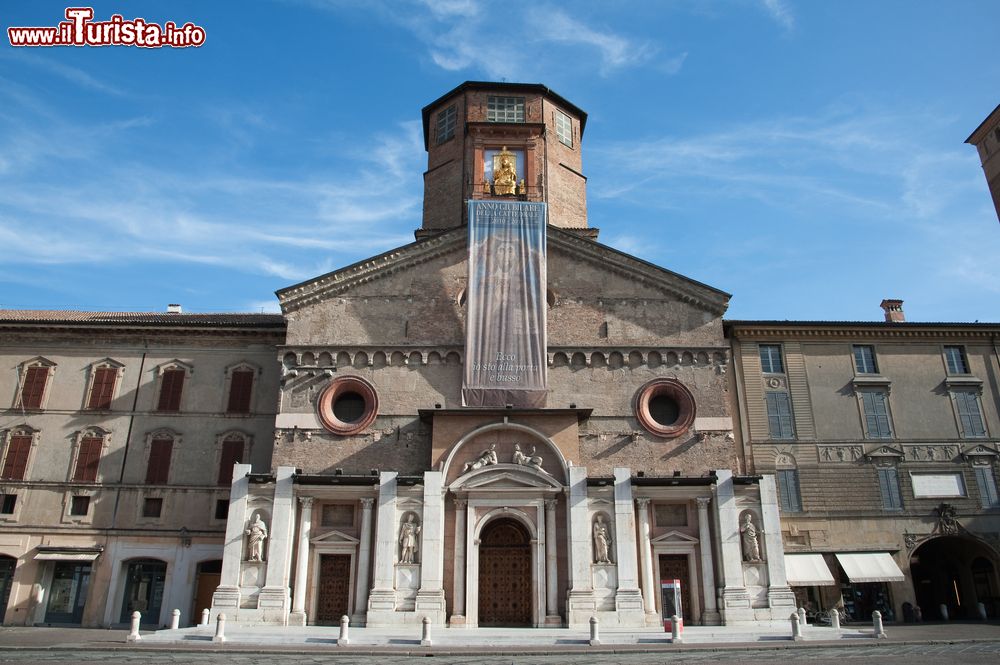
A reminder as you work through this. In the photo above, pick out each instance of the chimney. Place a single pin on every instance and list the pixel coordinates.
(174, 308)
(893, 310)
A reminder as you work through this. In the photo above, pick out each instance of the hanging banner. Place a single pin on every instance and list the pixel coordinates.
(505, 342)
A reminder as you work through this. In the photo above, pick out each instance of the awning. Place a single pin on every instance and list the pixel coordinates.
(870, 567)
(808, 570)
(48, 553)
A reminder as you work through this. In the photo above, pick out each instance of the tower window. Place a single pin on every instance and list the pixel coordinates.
(505, 109)
(446, 124)
(564, 129)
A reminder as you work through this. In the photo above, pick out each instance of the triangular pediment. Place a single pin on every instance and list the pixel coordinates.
(499, 477)
(334, 538)
(674, 537)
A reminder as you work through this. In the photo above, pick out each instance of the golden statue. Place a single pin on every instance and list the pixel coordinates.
(504, 173)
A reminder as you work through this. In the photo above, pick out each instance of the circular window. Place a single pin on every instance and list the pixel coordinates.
(348, 405)
(665, 407)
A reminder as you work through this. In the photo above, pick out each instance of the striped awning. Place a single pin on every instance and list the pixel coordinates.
(808, 570)
(870, 567)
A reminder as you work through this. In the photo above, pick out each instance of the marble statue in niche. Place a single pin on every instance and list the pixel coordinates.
(256, 534)
(602, 541)
(750, 538)
(486, 458)
(408, 542)
(531, 459)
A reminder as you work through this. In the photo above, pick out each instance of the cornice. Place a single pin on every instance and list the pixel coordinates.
(803, 330)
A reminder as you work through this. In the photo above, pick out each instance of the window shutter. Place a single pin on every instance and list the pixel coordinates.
(158, 470)
(171, 385)
(240, 389)
(88, 459)
(16, 461)
(888, 483)
(987, 486)
(34, 387)
(779, 416)
(103, 388)
(232, 453)
(788, 486)
(969, 414)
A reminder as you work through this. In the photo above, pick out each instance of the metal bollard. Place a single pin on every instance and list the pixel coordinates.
(878, 631)
(175, 620)
(802, 616)
(220, 628)
(595, 638)
(835, 619)
(425, 634)
(675, 630)
(981, 608)
(204, 617)
(944, 611)
(343, 639)
(796, 627)
(133, 634)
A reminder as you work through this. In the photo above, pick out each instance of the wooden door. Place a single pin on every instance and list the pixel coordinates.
(505, 585)
(675, 567)
(334, 589)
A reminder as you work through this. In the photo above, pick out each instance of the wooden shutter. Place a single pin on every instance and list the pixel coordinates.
(987, 486)
(240, 389)
(788, 488)
(779, 416)
(158, 469)
(171, 385)
(969, 415)
(232, 453)
(34, 387)
(103, 388)
(16, 462)
(88, 459)
(888, 485)
(876, 414)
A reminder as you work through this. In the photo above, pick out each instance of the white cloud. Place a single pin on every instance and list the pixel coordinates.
(780, 12)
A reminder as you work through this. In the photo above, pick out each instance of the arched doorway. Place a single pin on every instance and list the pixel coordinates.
(956, 572)
(505, 585)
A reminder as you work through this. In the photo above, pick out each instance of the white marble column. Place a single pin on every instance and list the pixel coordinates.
(364, 559)
(780, 596)
(628, 598)
(227, 596)
(735, 599)
(430, 597)
(382, 600)
(710, 617)
(580, 603)
(302, 562)
(274, 601)
(458, 602)
(551, 571)
(646, 558)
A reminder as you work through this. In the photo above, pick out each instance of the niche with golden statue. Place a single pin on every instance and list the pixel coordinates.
(500, 173)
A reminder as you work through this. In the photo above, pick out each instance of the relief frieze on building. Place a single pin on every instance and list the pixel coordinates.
(840, 453)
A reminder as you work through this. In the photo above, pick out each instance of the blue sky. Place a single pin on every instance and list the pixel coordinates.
(806, 157)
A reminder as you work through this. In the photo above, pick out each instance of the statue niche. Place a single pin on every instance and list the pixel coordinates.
(504, 175)
(750, 537)
(409, 543)
(256, 533)
(602, 540)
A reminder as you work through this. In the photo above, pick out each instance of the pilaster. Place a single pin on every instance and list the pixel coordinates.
(735, 599)
(780, 597)
(430, 597)
(710, 615)
(382, 600)
(275, 600)
(580, 602)
(628, 599)
(227, 596)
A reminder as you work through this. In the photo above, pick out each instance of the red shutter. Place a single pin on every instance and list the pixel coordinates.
(232, 453)
(103, 389)
(158, 469)
(240, 387)
(17, 458)
(34, 387)
(88, 459)
(171, 385)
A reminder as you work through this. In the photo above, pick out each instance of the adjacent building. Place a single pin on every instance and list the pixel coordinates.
(986, 138)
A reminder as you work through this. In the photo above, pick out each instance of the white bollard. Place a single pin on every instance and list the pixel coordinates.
(835, 619)
(878, 631)
(343, 639)
(595, 638)
(675, 630)
(802, 617)
(133, 634)
(175, 620)
(220, 628)
(981, 608)
(425, 634)
(796, 627)
(944, 611)
(204, 616)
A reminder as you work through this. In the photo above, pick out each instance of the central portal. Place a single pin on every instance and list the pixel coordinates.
(505, 574)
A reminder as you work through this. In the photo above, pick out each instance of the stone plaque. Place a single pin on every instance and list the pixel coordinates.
(338, 514)
(937, 485)
(670, 514)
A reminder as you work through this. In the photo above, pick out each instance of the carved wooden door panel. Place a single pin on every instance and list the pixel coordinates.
(505, 587)
(334, 587)
(675, 567)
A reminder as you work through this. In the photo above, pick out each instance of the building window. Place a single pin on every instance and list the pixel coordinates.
(79, 506)
(231, 453)
(788, 490)
(222, 509)
(564, 129)
(779, 416)
(665, 407)
(446, 124)
(955, 359)
(347, 405)
(888, 484)
(8, 504)
(88, 459)
(987, 487)
(876, 408)
(864, 360)
(970, 416)
(152, 507)
(171, 387)
(505, 109)
(158, 467)
(34, 380)
(15, 462)
(240, 390)
(770, 359)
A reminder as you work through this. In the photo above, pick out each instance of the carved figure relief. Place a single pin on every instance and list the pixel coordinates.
(531, 459)
(749, 536)
(947, 519)
(486, 458)
(408, 541)
(256, 534)
(602, 541)
(840, 453)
